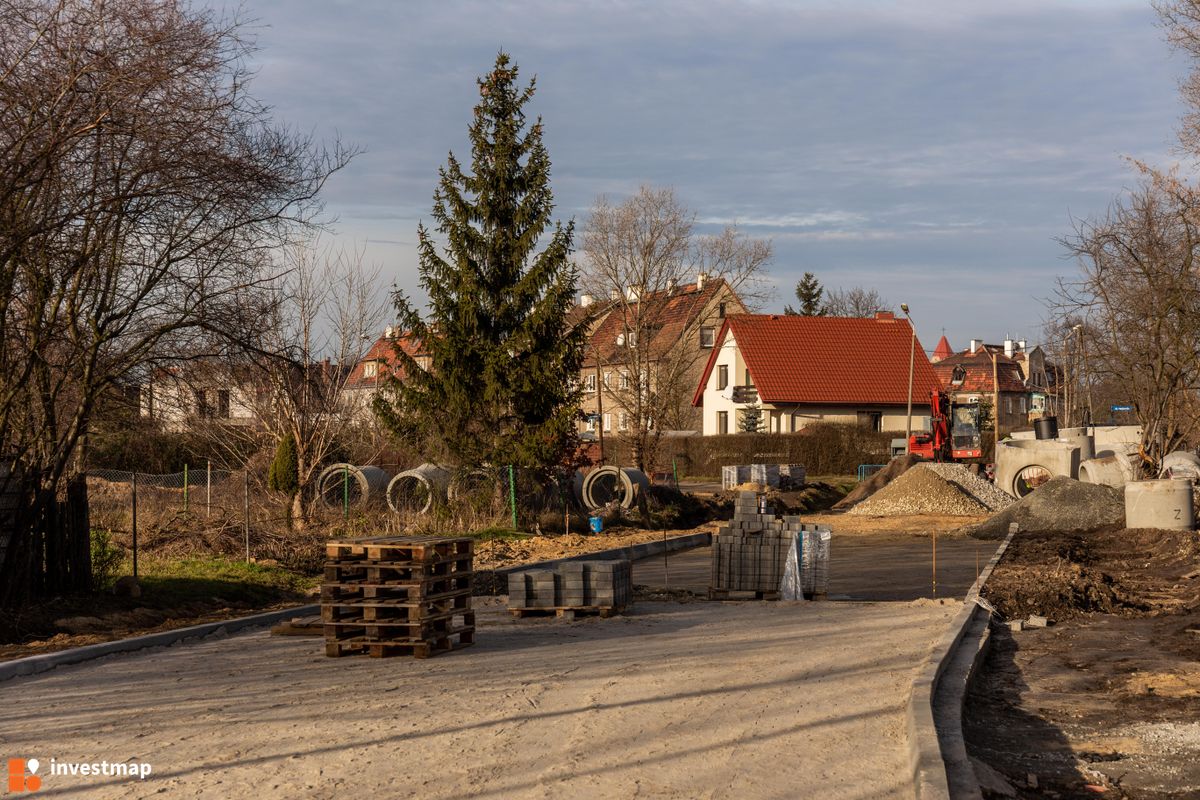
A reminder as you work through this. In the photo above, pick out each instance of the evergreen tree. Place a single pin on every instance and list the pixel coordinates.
(751, 420)
(284, 473)
(503, 359)
(808, 292)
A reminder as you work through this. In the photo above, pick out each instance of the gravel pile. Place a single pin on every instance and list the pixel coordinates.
(979, 488)
(920, 491)
(1059, 504)
(894, 469)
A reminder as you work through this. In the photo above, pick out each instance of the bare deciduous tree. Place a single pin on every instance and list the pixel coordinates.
(636, 257)
(854, 302)
(1138, 296)
(140, 187)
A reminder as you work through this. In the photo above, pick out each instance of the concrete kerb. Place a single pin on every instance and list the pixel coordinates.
(32, 665)
(941, 769)
(633, 552)
(35, 664)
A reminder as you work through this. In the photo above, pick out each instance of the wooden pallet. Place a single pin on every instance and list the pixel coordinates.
(428, 592)
(728, 594)
(397, 611)
(566, 612)
(384, 648)
(407, 550)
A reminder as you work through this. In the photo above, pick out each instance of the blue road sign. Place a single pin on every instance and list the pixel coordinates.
(1122, 408)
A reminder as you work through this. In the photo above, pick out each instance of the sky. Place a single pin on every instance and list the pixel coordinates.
(935, 151)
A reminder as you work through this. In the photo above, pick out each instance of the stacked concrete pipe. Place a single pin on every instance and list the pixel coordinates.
(1108, 468)
(1159, 504)
(418, 489)
(359, 484)
(605, 485)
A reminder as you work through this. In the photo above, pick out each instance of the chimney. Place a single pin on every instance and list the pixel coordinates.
(885, 315)
(1008, 347)
(614, 294)
(389, 332)
(975, 343)
(700, 279)
(1021, 346)
(633, 294)
(586, 300)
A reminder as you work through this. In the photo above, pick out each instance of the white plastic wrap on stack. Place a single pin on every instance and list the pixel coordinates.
(806, 571)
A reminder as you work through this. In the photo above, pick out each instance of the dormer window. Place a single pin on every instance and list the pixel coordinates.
(371, 369)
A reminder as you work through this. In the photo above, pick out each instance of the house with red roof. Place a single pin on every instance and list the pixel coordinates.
(1021, 381)
(379, 362)
(680, 327)
(799, 370)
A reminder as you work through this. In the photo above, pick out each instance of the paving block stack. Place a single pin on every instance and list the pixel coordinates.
(604, 587)
(749, 553)
(771, 476)
(398, 596)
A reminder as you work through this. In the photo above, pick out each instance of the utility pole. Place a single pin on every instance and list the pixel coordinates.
(912, 354)
(995, 405)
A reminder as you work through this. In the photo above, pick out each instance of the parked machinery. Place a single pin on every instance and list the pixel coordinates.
(953, 433)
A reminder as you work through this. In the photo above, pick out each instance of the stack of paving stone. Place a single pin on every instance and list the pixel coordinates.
(769, 476)
(398, 596)
(602, 587)
(749, 554)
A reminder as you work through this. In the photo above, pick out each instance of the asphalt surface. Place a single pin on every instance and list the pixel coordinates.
(861, 567)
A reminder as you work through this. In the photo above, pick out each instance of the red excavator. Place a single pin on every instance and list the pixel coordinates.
(954, 431)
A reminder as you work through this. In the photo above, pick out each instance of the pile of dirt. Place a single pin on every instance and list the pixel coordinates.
(1060, 504)
(894, 469)
(920, 491)
(1060, 575)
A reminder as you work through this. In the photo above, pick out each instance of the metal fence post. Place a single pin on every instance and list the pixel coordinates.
(512, 495)
(185, 488)
(346, 494)
(208, 493)
(246, 510)
(133, 485)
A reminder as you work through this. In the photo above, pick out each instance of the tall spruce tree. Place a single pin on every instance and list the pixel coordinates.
(808, 292)
(504, 359)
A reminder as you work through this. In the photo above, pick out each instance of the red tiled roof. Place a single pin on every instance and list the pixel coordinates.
(383, 353)
(943, 349)
(670, 313)
(833, 360)
(978, 367)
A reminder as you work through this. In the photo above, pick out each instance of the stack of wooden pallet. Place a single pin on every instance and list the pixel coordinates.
(602, 587)
(750, 552)
(398, 596)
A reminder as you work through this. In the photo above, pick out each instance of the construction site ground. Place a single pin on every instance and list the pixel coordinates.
(673, 700)
(1103, 703)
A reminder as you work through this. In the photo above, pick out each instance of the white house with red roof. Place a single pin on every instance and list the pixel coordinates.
(800, 370)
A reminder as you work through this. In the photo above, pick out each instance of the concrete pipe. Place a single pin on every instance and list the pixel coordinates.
(613, 484)
(1081, 439)
(339, 484)
(1111, 469)
(481, 488)
(1159, 504)
(1024, 464)
(1180, 464)
(418, 489)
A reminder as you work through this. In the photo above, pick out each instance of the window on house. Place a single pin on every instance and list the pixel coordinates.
(624, 381)
(370, 369)
(707, 336)
(591, 424)
(223, 403)
(721, 311)
(722, 422)
(607, 380)
(1023, 409)
(871, 420)
(749, 380)
(203, 409)
(607, 422)
(622, 421)
(722, 376)
(589, 382)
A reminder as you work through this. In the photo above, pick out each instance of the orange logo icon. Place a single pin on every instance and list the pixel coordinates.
(18, 780)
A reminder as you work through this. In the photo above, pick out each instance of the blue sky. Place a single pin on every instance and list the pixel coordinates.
(932, 150)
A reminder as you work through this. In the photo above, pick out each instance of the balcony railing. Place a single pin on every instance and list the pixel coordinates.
(745, 394)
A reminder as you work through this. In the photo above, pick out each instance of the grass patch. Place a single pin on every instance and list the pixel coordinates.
(174, 582)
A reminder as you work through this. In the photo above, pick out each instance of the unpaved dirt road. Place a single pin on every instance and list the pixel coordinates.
(699, 700)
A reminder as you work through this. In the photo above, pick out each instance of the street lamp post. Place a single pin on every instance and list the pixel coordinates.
(912, 354)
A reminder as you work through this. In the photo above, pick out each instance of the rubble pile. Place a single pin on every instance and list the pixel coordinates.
(921, 491)
(983, 490)
(1060, 504)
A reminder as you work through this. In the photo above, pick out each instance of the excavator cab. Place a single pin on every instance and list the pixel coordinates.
(965, 439)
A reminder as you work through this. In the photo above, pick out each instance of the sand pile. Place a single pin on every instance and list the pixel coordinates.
(920, 491)
(1060, 504)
